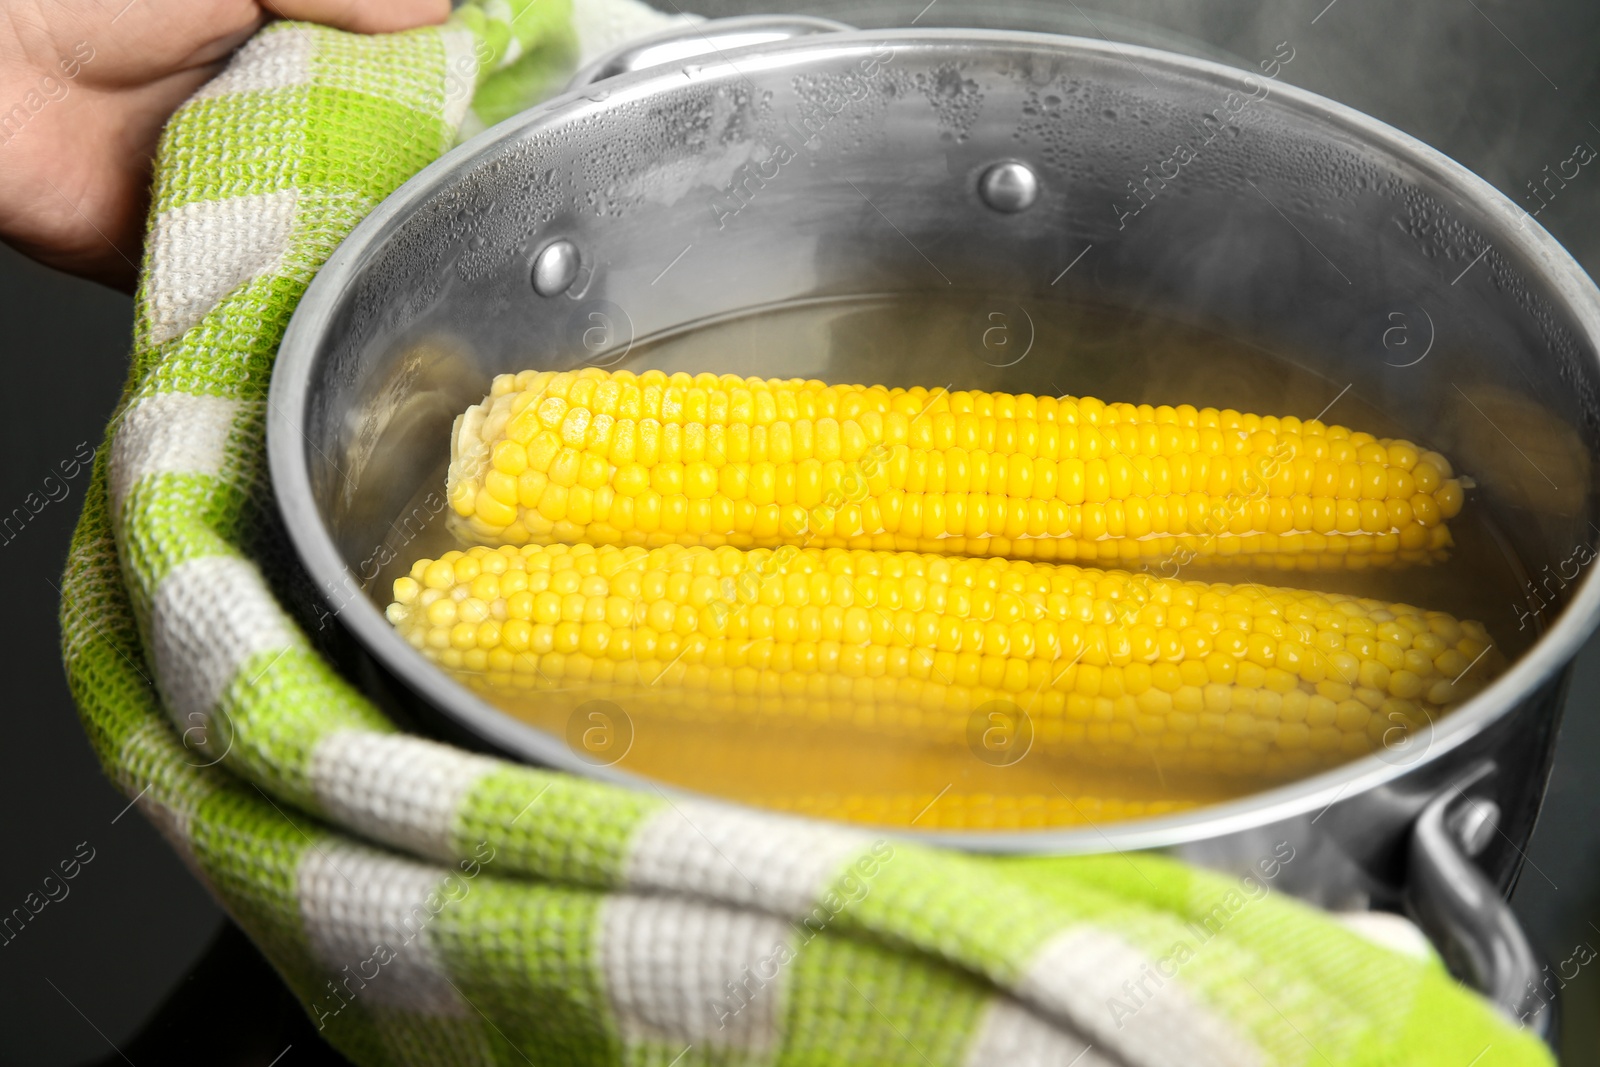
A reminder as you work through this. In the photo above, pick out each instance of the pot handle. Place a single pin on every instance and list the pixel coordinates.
(1463, 913)
(702, 38)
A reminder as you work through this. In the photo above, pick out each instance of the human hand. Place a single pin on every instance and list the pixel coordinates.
(85, 89)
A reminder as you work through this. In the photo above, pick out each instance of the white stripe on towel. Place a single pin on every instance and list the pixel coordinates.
(681, 971)
(1009, 1035)
(369, 919)
(1091, 979)
(170, 433)
(201, 252)
(740, 858)
(270, 60)
(403, 791)
(210, 616)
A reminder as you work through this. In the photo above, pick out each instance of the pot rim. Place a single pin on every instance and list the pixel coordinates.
(1563, 280)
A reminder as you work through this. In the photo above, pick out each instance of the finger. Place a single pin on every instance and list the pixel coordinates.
(363, 16)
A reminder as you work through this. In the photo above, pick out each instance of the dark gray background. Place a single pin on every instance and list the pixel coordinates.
(1506, 87)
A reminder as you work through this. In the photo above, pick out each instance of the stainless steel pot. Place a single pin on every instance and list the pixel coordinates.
(766, 164)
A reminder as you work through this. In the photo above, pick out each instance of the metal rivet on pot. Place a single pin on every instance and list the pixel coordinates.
(555, 267)
(1009, 187)
(1474, 824)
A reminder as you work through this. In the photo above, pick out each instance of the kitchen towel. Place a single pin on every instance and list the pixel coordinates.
(434, 906)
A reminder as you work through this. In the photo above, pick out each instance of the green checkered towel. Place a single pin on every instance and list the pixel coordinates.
(432, 906)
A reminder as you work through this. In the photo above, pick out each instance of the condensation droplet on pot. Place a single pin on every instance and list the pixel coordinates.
(1009, 187)
(555, 267)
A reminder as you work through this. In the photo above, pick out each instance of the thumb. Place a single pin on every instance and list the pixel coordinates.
(362, 16)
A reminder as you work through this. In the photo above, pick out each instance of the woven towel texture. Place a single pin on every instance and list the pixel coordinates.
(431, 906)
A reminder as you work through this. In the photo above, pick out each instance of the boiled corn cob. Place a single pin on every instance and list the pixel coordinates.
(650, 459)
(1110, 667)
